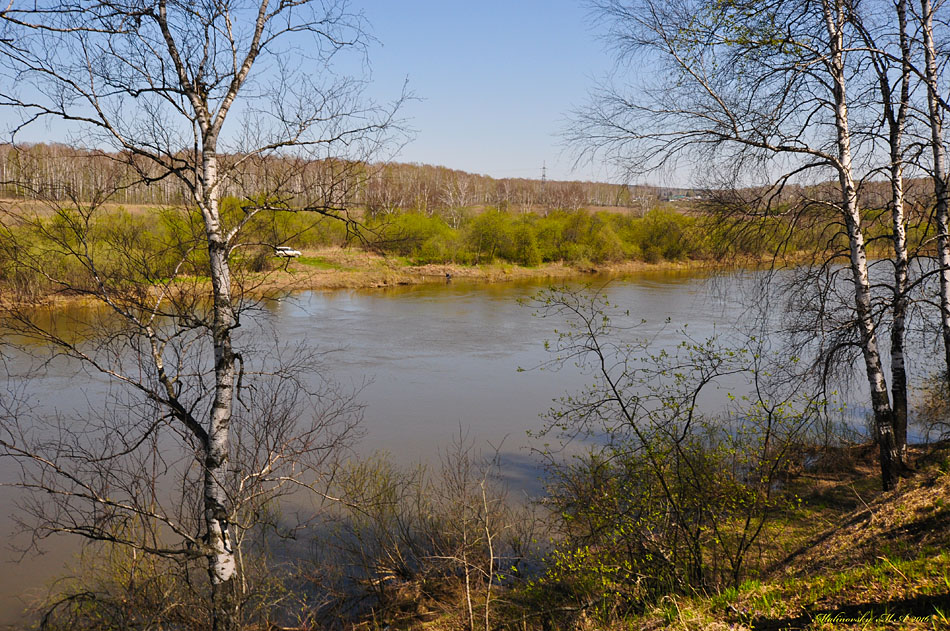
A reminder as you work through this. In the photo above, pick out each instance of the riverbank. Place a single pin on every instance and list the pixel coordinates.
(855, 558)
(348, 268)
(124, 250)
(847, 557)
(352, 268)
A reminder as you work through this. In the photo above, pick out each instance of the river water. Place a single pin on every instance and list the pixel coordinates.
(433, 360)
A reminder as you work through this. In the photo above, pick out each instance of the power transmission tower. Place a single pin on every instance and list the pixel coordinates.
(544, 179)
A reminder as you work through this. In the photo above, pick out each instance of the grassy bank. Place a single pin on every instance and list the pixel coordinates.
(341, 268)
(848, 557)
(67, 252)
(866, 563)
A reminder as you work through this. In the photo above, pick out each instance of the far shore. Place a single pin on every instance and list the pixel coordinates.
(351, 268)
(356, 269)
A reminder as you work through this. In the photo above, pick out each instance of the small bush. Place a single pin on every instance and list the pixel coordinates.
(933, 410)
(413, 541)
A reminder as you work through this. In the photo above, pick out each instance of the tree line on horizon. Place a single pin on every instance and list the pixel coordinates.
(53, 172)
(58, 172)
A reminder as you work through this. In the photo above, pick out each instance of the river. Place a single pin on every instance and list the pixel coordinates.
(433, 360)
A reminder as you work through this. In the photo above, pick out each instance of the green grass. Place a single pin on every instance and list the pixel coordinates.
(890, 594)
(317, 262)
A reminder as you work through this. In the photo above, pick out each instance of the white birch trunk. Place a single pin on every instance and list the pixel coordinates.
(899, 325)
(939, 175)
(883, 415)
(220, 552)
(896, 121)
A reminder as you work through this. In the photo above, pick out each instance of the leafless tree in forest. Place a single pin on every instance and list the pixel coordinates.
(203, 95)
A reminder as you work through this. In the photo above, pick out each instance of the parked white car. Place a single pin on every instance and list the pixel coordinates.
(286, 252)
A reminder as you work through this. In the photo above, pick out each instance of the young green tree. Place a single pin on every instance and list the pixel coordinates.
(652, 494)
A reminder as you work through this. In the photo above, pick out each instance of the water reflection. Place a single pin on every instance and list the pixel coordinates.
(433, 359)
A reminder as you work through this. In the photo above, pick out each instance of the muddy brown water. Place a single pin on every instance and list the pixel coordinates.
(436, 359)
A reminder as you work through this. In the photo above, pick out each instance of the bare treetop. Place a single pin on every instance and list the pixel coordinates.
(159, 79)
(199, 93)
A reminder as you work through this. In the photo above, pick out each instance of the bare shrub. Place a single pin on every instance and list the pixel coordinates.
(415, 544)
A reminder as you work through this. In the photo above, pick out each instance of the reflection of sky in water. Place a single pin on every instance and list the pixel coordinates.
(444, 356)
(440, 358)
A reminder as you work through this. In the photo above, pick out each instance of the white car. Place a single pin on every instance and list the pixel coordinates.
(286, 252)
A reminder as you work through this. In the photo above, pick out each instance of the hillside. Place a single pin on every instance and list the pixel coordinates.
(881, 563)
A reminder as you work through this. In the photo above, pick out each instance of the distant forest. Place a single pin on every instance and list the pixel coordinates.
(56, 171)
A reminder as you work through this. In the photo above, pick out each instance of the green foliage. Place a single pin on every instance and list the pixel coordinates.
(529, 239)
(74, 249)
(147, 248)
(524, 248)
(663, 499)
(488, 234)
(421, 237)
(607, 246)
(664, 234)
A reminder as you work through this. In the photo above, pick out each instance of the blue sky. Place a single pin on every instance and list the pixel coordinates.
(495, 80)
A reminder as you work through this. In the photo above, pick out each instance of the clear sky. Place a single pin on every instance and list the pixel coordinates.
(495, 80)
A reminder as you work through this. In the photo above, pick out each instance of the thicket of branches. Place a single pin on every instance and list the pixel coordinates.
(206, 418)
(771, 98)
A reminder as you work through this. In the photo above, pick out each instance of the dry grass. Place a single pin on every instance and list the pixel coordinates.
(864, 560)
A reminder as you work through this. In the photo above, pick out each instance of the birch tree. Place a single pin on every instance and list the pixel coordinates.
(936, 109)
(759, 87)
(199, 94)
(894, 97)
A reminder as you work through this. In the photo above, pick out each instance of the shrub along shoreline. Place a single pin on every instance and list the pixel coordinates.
(151, 246)
(357, 269)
